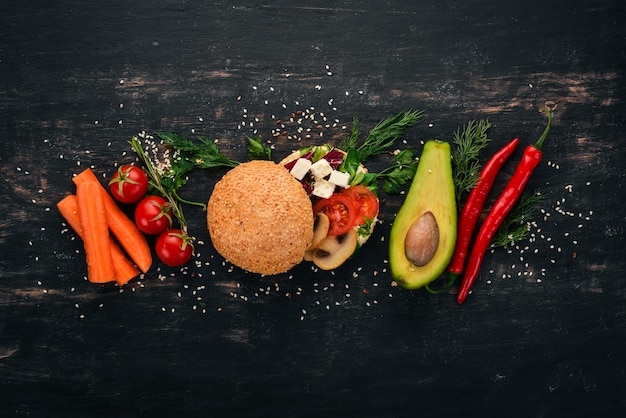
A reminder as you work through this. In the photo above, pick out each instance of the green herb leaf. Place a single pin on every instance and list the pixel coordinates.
(257, 150)
(320, 151)
(515, 226)
(350, 163)
(400, 172)
(381, 140)
(203, 154)
(468, 142)
(365, 230)
(353, 140)
(166, 182)
(382, 137)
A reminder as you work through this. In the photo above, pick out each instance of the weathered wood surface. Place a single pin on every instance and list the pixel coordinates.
(543, 334)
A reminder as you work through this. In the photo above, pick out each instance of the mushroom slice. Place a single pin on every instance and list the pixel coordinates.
(320, 230)
(334, 250)
(309, 255)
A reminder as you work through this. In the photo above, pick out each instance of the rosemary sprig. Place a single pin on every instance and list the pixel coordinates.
(382, 137)
(468, 142)
(515, 225)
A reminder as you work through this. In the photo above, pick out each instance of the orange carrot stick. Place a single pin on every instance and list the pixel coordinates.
(124, 229)
(125, 270)
(93, 222)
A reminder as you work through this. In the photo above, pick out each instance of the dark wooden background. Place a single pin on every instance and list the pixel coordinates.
(543, 334)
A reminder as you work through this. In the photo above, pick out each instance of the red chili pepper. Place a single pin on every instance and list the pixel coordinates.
(531, 158)
(472, 209)
(474, 205)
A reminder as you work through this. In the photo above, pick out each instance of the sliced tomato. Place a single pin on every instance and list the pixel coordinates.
(340, 211)
(365, 201)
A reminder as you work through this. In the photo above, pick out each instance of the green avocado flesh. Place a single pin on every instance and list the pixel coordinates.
(432, 190)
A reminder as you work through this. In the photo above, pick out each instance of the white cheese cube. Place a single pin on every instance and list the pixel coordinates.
(321, 168)
(339, 178)
(300, 168)
(323, 188)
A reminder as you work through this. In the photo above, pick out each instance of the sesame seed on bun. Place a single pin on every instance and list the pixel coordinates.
(260, 218)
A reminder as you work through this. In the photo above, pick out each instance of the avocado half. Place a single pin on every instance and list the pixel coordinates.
(432, 190)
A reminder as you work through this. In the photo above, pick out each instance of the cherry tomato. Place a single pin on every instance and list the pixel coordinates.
(153, 215)
(365, 201)
(129, 184)
(174, 247)
(340, 211)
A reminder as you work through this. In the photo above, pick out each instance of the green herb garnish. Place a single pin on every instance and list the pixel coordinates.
(468, 142)
(203, 154)
(516, 224)
(257, 150)
(400, 172)
(380, 140)
(382, 137)
(167, 180)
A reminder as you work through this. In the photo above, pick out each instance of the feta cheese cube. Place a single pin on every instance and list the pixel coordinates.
(323, 188)
(300, 168)
(321, 168)
(339, 178)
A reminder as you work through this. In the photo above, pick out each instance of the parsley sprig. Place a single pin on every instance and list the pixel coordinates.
(400, 172)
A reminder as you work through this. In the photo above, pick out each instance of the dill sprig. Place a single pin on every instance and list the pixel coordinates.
(468, 141)
(516, 224)
(203, 154)
(382, 136)
(353, 140)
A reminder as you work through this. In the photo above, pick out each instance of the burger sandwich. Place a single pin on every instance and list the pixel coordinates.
(314, 205)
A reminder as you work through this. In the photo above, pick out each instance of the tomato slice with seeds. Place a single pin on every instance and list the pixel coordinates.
(340, 211)
(365, 201)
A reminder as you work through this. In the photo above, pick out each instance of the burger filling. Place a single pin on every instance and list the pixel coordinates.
(350, 208)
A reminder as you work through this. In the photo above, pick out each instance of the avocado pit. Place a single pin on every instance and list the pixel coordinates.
(422, 240)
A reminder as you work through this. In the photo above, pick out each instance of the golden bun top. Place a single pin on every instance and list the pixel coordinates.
(260, 218)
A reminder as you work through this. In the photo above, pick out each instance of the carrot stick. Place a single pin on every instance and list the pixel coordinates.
(93, 223)
(125, 270)
(124, 229)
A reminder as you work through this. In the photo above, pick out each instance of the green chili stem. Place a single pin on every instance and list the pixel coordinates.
(544, 135)
(451, 279)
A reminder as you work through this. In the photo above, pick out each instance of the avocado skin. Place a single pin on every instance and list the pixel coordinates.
(432, 189)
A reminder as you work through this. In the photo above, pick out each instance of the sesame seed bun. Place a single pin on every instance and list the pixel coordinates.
(260, 218)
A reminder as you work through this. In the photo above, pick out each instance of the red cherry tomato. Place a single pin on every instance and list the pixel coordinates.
(128, 184)
(340, 211)
(174, 248)
(153, 215)
(365, 201)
